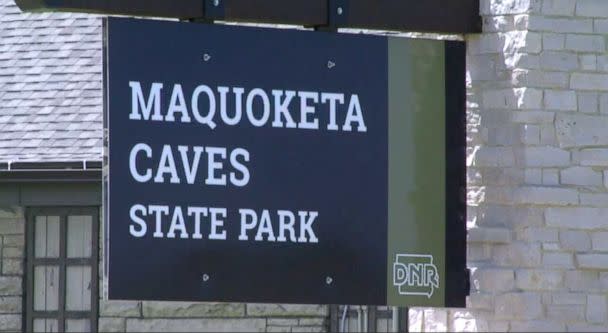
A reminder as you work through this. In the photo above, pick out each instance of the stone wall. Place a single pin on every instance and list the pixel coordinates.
(538, 170)
(12, 240)
(122, 316)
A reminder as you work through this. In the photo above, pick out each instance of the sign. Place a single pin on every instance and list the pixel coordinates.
(261, 165)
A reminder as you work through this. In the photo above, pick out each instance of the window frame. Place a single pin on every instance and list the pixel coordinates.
(62, 262)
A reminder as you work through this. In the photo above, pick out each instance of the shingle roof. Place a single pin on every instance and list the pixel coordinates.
(50, 86)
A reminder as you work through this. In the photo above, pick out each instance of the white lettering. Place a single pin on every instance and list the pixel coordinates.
(138, 220)
(133, 160)
(138, 101)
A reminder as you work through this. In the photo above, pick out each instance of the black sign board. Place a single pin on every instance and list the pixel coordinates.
(260, 165)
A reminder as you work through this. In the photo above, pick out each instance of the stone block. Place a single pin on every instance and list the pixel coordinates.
(583, 281)
(584, 218)
(594, 199)
(571, 240)
(543, 157)
(536, 234)
(286, 310)
(528, 98)
(560, 24)
(283, 322)
(554, 42)
(509, 216)
(416, 320)
(545, 196)
(588, 102)
(583, 327)
(600, 25)
(547, 135)
(498, 23)
(561, 100)
(518, 306)
(193, 310)
(558, 61)
(537, 326)
(498, 326)
(11, 227)
(585, 43)
(489, 235)
(12, 267)
(599, 241)
(594, 157)
(17, 241)
(604, 103)
(13, 252)
(278, 329)
(569, 299)
(517, 254)
(602, 63)
(589, 81)
(534, 279)
(494, 279)
(592, 261)
(499, 99)
(308, 329)
(480, 301)
(10, 286)
(533, 177)
(11, 212)
(196, 325)
(506, 7)
(550, 246)
(465, 321)
(558, 7)
(566, 313)
(583, 176)
(10, 322)
(435, 320)
(119, 308)
(539, 79)
(532, 117)
(550, 177)
(592, 8)
(11, 304)
(112, 325)
(312, 322)
(597, 308)
(588, 62)
(494, 157)
(558, 260)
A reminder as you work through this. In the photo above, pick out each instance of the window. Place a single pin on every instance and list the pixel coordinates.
(368, 318)
(62, 269)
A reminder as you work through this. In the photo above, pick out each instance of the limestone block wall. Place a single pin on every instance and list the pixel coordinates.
(538, 170)
(12, 245)
(123, 316)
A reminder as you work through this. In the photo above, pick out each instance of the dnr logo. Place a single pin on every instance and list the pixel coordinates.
(415, 274)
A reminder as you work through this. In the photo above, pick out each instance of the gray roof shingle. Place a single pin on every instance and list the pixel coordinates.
(50, 86)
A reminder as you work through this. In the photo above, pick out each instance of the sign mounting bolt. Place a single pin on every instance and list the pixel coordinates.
(329, 280)
(331, 64)
(205, 277)
(216, 3)
(206, 57)
(340, 11)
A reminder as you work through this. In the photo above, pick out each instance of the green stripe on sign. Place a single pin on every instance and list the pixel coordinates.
(416, 169)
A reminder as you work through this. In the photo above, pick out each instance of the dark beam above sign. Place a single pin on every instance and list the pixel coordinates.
(443, 16)
(182, 9)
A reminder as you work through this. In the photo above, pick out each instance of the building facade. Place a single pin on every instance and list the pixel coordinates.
(537, 111)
